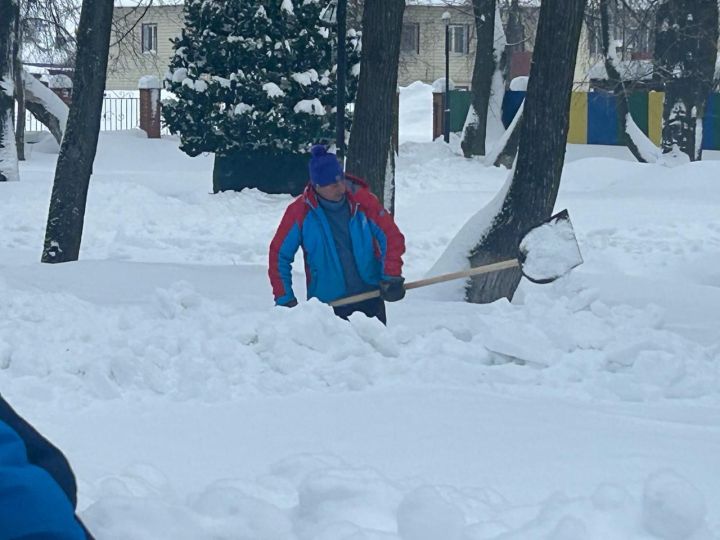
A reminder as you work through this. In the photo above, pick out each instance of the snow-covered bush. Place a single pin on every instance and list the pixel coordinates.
(244, 73)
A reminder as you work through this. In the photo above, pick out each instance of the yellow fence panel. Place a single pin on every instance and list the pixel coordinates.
(577, 133)
(655, 109)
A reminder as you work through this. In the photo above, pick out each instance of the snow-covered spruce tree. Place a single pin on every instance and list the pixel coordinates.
(255, 85)
(686, 37)
(8, 151)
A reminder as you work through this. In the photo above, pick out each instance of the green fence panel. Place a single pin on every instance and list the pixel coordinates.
(638, 105)
(459, 106)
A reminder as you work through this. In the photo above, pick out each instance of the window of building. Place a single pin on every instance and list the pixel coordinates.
(459, 38)
(149, 37)
(410, 40)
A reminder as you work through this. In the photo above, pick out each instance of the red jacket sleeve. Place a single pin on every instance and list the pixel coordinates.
(283, 247)
(387, 233)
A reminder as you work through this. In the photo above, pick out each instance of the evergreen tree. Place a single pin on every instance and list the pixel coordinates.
(254, 77)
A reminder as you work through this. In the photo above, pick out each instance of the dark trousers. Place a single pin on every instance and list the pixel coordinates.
(374, 307)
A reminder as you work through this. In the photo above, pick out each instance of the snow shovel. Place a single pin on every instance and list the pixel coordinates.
(547, 252)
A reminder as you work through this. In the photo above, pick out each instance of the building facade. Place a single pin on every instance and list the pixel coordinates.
(141, 43)
(422, 45)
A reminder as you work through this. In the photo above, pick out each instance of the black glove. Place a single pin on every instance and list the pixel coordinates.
(392, 288)
(291, 303)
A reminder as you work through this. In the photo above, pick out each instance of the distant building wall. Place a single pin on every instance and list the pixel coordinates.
(128, 62)
(422, 56)
(427, 62)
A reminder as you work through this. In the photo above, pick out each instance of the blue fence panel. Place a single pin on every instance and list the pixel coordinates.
(711, 123)
(511, 103)
(602, 119)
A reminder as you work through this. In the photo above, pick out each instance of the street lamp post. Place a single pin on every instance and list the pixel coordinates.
(335, 14)
(446, 111)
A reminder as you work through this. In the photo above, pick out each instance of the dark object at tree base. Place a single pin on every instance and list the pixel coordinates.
(374, 307)
(271, 173)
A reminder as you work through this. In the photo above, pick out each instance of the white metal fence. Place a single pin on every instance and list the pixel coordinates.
(118, 113)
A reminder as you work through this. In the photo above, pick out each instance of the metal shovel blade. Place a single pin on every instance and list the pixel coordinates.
(550, 250)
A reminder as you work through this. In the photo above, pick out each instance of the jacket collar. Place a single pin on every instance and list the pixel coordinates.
(353, 185)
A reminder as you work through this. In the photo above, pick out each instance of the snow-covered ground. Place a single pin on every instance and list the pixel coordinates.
(191, 408)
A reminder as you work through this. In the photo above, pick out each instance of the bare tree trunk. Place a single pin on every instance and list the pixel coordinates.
(9, 13)
(515, 30)
(506, 156)
(616, 81)
(19, 94)
(46, 105)
(686, 36)
(20, 116)
(543, 137)
(77, 152)
(473, 141)
(372, 129)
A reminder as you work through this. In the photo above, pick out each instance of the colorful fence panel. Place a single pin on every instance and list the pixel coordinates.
(593, 116)
(655, 108)
(511, 103)
(711, 123)
(459, 106)
(577, 132)
(638, 106)
(602, 120)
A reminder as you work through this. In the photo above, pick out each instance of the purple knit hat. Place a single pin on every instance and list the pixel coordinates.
(324, 167)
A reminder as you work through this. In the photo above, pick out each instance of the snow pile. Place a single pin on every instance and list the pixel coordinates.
(320, 497)
(180, 342)
(149, 82)
(415, 123)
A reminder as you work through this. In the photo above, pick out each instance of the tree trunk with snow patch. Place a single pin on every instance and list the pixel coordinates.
(45, 105)
(543, 136)
(686, 37)
(488, 83)
(19, 94)
(507, 149)
(79, 145)
(371, 142)
(20, 116)
(515, 33)
(473, 140)
(628, 129)
(9, 13)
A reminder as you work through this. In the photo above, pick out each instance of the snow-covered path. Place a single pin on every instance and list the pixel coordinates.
(523, 447)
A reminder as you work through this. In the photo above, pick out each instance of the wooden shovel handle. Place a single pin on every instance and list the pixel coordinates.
(485, 269)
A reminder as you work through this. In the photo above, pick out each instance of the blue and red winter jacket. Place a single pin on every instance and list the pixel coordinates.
(37, 486)
(378, 245)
